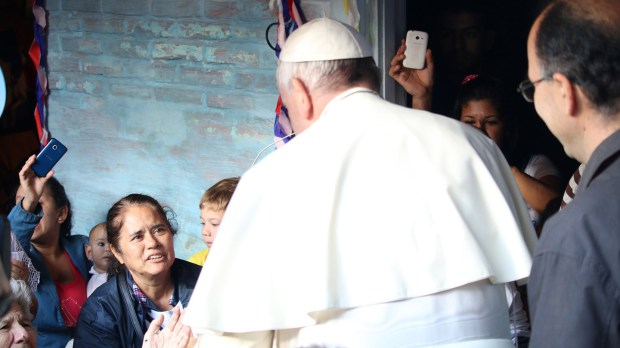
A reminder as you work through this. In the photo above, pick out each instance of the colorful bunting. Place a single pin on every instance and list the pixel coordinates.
(289, 19)
(38, 54)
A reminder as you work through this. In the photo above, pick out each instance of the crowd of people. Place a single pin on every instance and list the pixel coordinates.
(403, 227)
(130, 257)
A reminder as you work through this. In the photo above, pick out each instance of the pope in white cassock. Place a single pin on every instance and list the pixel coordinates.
(376, 226)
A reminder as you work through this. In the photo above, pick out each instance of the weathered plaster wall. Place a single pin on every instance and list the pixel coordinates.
(159, 97)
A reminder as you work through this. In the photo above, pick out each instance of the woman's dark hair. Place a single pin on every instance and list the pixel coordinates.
(114, 221)
(486, 87)
(60, 199)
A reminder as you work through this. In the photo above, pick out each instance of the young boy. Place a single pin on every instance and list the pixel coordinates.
(212, 207)
(98, 251)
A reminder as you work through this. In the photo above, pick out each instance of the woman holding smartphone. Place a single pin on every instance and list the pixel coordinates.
(41, 220)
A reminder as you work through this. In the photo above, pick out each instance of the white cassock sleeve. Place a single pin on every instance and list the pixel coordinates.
(257, 339)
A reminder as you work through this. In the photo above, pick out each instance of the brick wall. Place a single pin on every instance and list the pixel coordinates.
(159, 97)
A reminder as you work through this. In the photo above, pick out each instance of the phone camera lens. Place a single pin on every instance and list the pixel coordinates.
(417, 38)
(54, 147)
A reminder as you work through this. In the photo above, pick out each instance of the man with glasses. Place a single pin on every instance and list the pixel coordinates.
(527, 88)
(574, 69)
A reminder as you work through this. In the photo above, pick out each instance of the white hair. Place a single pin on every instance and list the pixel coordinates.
(329, 75)
(22, 295)
(313, 74)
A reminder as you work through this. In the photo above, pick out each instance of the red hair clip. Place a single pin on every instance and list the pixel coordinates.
(469, 78)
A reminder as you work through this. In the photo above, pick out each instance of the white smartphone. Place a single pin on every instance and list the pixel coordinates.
(415, 53)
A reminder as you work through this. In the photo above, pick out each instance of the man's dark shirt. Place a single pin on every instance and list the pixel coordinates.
(574, 288)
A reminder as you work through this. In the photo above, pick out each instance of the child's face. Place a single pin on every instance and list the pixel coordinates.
(98, 249)
(210, 220)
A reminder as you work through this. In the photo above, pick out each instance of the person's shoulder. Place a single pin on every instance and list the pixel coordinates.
(186, 267)
(600, 196)
(537, 158)
(74, 245)
(105, 299)
(101, 317)
(420, 121)
(609, 170)
(186, 275)
(107, 291)
(584, 223)
(77, 239)
(540, 165)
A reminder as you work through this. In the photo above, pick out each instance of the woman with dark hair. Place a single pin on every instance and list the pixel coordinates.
(148, 281)
(42, 223)
(484, 103)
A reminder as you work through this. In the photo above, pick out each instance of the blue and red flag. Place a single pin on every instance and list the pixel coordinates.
(38, 54)
(289, 19)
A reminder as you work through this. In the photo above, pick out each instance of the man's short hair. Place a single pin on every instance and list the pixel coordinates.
(581, 39)
(218, 196)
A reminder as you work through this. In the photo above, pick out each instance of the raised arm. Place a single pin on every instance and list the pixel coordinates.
(541, 184)
(417, 82)
(32, 185)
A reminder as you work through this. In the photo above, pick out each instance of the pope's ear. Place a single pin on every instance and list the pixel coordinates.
(301, 93)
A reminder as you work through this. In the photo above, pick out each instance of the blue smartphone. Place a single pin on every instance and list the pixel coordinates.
(48, 157)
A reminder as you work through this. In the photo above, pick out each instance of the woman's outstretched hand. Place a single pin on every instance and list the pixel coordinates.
(174, 335)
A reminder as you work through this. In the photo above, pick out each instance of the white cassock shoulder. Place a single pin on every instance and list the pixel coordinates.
(373, 203)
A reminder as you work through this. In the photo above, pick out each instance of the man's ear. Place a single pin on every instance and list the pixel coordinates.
(117, 254)
(304, 100)
(568, 93)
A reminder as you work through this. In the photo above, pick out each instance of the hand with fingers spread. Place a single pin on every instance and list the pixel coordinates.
(417, 82)
(174, 335)
(32, 185)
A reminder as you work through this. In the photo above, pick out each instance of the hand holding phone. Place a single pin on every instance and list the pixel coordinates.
(416, 43)
(48, 157)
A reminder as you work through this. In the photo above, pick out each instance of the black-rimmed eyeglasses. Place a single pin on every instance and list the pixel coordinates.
(527, 87)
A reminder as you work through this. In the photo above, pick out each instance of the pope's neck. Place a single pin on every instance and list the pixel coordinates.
(320, 101)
